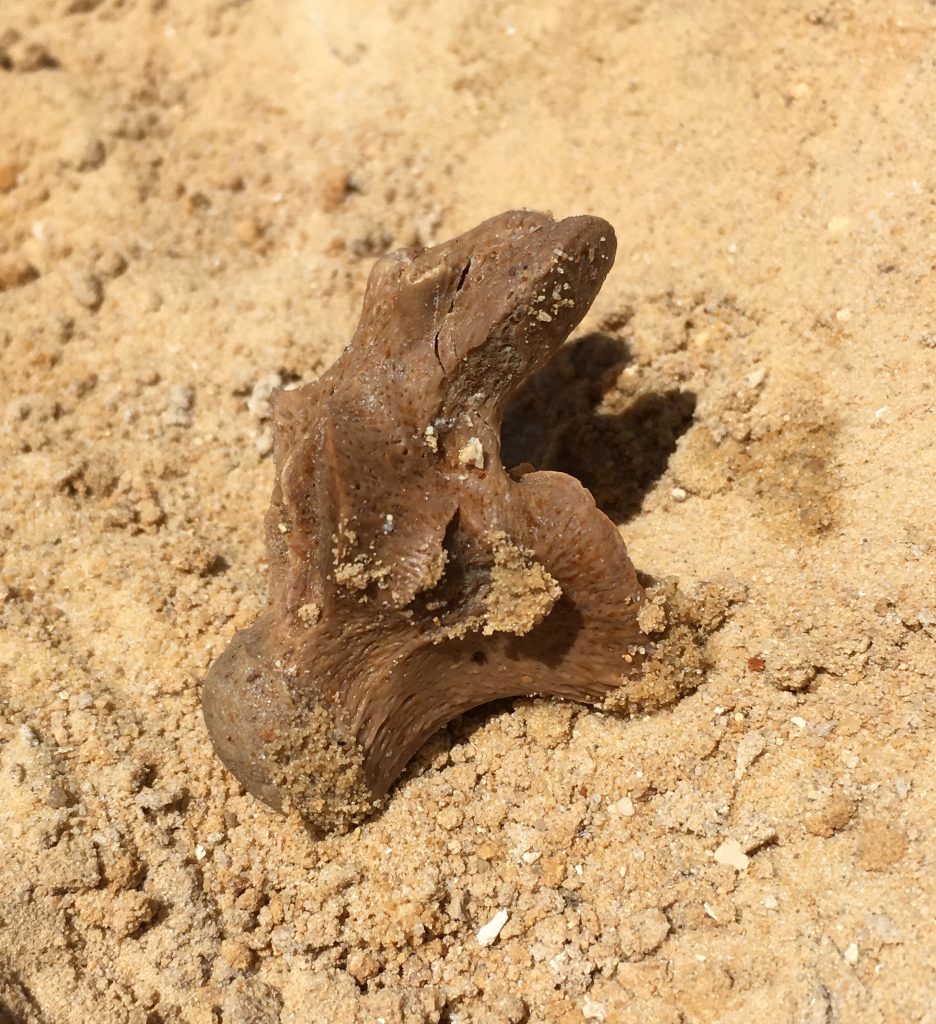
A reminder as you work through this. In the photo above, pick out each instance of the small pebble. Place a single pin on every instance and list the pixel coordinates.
(487, 934)
(679, 494)
(850, 954)
(732, 854)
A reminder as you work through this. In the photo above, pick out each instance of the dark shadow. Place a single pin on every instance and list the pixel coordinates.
(554, 423)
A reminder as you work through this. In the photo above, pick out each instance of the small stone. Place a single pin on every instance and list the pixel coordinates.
(843, 315)
(487, 934)
(850, 954)
(87, 289)
(770, 902)
(732, 854)
(679, 494)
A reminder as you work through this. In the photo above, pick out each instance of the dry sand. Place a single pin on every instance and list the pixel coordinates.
(191, 194)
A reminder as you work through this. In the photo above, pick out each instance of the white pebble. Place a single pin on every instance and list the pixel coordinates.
(732, 854)
(624, 807)
(679, 494)
(487, 933)
(851, 954)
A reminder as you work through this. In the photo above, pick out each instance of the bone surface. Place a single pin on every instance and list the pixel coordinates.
(411, 576)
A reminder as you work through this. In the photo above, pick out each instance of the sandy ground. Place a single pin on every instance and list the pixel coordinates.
(191, 195)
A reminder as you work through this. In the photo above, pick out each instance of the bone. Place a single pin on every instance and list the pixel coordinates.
(411, 576)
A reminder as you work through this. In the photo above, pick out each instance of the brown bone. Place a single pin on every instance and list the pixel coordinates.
(411, 577)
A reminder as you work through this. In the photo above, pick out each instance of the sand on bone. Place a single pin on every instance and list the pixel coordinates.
(191, 196)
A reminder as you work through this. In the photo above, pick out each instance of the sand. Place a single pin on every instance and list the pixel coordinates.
(191, 195)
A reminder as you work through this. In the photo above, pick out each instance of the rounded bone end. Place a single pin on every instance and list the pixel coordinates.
(292, 758)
